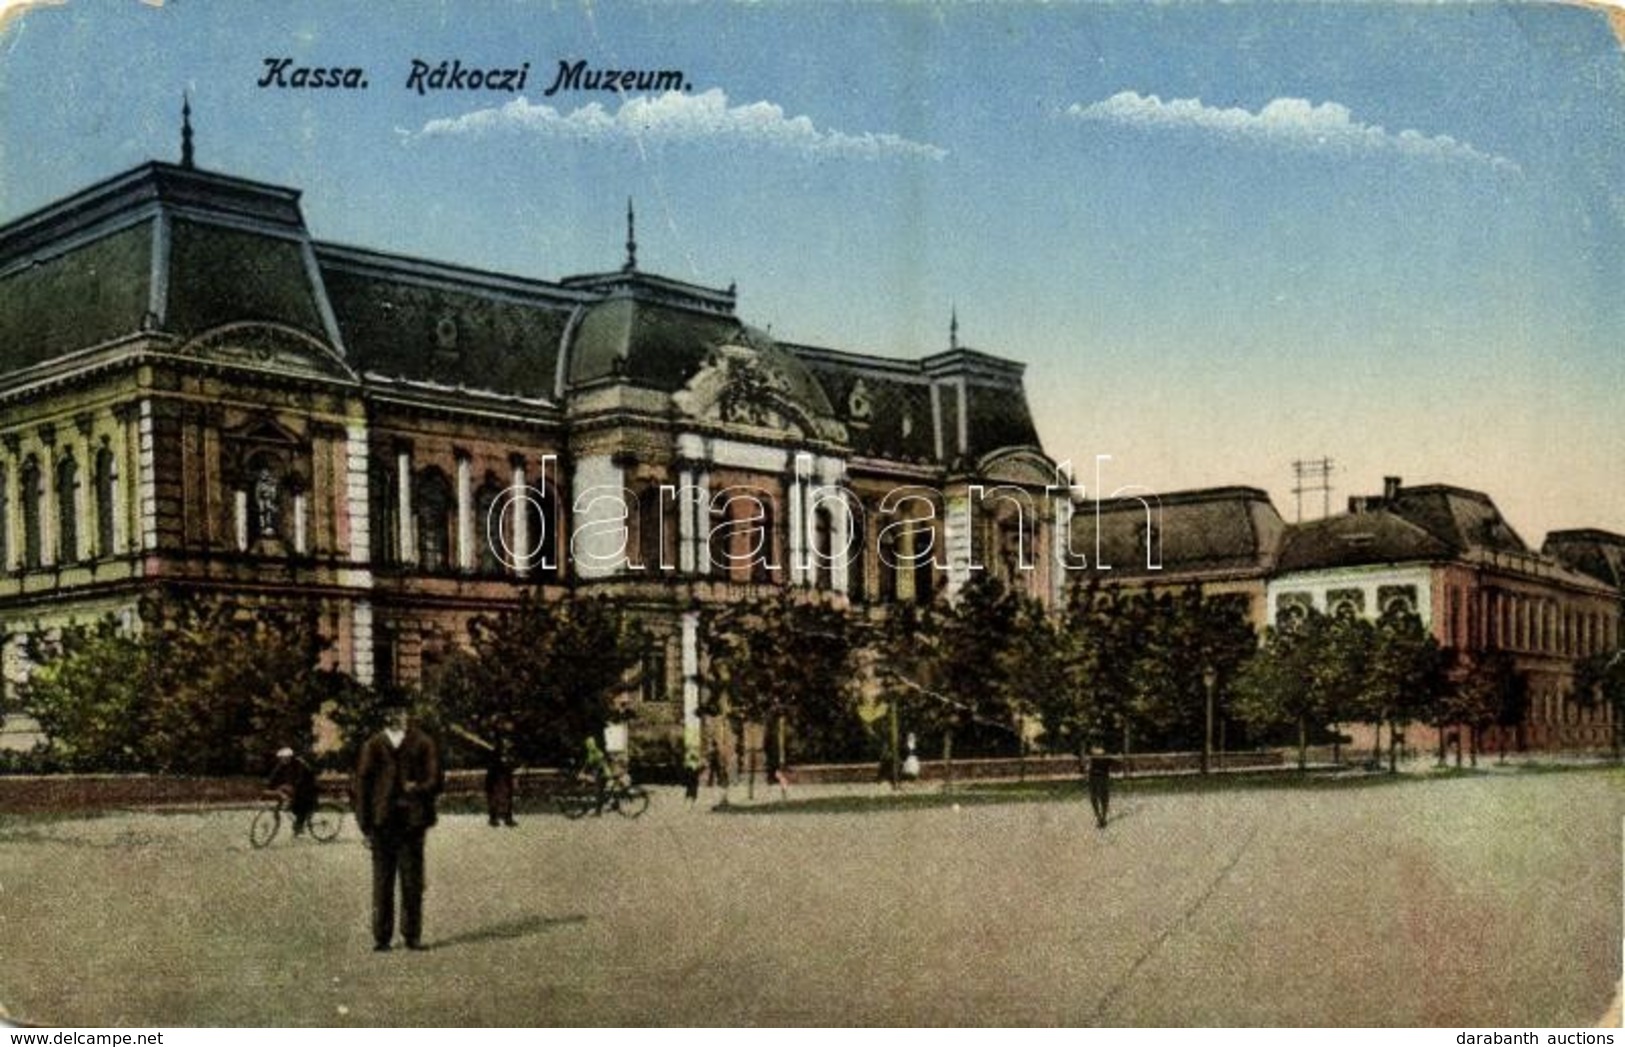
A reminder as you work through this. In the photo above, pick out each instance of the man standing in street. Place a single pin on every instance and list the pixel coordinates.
(1100, 784)
(397, 780)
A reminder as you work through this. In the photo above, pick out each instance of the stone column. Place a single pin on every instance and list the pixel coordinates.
(403, 479)
(465, 512)
(802, 569)
(691, 678)
(519, 505)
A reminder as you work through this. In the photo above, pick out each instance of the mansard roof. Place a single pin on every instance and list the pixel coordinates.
(1370, 536)
(159, 249)
(951, 408)
(186, 256)
(1219, 530)
(1463, 519)
(1595, 553)
(448, 325)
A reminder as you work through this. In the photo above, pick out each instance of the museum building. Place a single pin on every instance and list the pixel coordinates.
(197, 394)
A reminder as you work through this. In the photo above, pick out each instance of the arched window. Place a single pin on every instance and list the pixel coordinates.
(383, 512)
(719, 540)
(31, 491)
(887, 565)
(544, 528)
(925, 568)
(106, 501)
(651, 532)
(5, 519)
(652, 676)
(857, 568)
(489, 537)
(433, 511)
(67, 509)
(1011, 552)
(759, 541)
(823, 548)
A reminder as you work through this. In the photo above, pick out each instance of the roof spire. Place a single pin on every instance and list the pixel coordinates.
(186, 130)
(631, 240)
(953, 327)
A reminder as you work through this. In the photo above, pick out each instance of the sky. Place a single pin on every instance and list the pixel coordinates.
(1222, 236)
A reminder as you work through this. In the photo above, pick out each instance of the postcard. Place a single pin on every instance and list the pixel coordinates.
(811, 514)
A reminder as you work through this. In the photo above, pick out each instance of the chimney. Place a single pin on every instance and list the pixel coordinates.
(1390, 488)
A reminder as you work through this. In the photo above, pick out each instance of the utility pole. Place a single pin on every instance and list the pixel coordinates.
(1314, 474)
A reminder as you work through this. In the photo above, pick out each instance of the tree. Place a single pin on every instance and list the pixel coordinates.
(88, 692)
(202, 687)
(545, 676)
(1292, 681)
(786, 662)
(1032, 667)
(1488, 692)
(1405, 676)
(231, 683)
(1599, 680)
(1137, 665)
(977, 632)
(1339, 665)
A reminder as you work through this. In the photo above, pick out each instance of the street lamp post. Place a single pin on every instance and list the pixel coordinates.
(1210, 676)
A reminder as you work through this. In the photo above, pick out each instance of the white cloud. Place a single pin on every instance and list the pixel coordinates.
(1288, 122)
(678, 117)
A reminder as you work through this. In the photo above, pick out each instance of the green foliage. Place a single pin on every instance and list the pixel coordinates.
(1322, 670)
(88, 692)
(785, 659)
(1297, 678)
(1407, 678)
(978, 633)
(1141, 662)
(203, 687)
(358, 712)
(970, 671)
(1600, 680)
(543, 676)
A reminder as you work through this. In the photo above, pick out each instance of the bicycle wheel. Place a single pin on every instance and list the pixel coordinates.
(325, 821)
(262, 830)
(633, 801)
(574, 805)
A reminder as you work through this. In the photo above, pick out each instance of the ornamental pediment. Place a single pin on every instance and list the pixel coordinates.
(741, 387)
(272, 347)
(1020, 466)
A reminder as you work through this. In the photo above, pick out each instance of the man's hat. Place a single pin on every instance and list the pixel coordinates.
(284, 753)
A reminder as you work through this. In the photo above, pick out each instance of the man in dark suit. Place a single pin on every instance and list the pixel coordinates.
(1101, 767)
(397, 780)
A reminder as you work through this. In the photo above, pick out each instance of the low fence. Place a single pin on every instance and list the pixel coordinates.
(1010, 768)
(30, 794)
(43, 793)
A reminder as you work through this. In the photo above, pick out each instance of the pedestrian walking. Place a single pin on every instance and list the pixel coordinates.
(716, 767)
(692, 766)
(1101, 767)
(397, 779)
(499, 785)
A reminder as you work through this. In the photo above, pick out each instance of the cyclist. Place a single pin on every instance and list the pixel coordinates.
(293, 779)
(596, 764)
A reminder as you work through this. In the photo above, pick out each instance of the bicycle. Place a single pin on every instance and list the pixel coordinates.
(323, 825)
(620, 795)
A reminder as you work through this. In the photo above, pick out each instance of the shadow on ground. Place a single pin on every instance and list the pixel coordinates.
(512, 929)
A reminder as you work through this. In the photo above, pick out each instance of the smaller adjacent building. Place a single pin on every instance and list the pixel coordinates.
(1447, 554)
(1442, 552)
(1222, 539)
